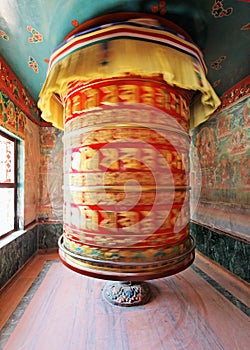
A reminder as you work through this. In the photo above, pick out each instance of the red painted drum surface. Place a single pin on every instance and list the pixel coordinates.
(126, 185)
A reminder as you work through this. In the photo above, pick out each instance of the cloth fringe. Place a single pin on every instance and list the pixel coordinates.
(120, 57)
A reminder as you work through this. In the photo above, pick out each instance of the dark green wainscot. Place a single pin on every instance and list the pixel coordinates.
(231, 253)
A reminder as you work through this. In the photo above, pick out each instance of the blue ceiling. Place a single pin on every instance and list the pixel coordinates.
(31, 30)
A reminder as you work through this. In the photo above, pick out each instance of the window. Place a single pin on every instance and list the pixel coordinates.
(8, 184)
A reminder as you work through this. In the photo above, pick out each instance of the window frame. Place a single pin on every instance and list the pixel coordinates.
(12, 184)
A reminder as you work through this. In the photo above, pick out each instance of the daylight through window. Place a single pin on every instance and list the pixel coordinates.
(8, 183)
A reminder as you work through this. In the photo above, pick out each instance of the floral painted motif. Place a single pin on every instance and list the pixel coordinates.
(33, 64)
(36, 36)
(75, 23)
(216, 83)
(217, 64)
(219, 11)
(3, 35)
(159, 8)
(245, 27)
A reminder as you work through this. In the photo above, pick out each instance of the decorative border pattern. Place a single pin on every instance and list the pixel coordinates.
(239, 91)
(13, 88)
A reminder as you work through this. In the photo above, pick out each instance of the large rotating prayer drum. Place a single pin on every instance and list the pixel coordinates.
(126, 179)
(125, 91)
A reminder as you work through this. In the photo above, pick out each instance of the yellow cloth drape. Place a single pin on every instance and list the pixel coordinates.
(125, 56)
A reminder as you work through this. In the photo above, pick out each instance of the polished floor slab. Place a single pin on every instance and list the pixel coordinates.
(201, 308)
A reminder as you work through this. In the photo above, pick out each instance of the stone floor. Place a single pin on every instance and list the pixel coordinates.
(49, 307)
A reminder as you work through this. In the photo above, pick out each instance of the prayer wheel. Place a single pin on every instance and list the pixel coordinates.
(122, 92)
(126, 181)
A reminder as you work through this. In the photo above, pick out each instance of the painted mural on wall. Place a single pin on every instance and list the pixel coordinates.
(19, 115)
(220, 170)
(31, 173)
(51, 175)
(11, 117)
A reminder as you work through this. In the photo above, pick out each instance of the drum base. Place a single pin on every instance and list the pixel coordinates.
(126, 293)
(126, 271)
